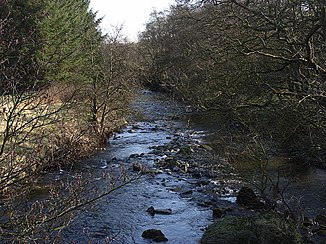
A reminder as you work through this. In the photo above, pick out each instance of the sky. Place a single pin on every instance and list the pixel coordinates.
(132, 14)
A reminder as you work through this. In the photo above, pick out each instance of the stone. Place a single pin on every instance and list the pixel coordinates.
(262, 228)
(210, 174)
(152, 211)
(218, 212)
(155, 235)
(321, 219)
(154, 171)
(189, 192)
(203, 182)
(196, 174)
(166, 211)
(138, 167)
(308, 221)
(135, 127)
(134, 155)
(247, 197)
(206, 147)
(185, 150)
(203, 204)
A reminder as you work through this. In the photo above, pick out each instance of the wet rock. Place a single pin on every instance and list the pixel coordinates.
(167, 163)
(135, 127)
(247, 197)
(196, 174)
(135, 155)
(218, 212)
(206, 147)
(253, 229)
(155, 235)
(189, 192)
(308, 221)
(156, 128)
(321, 219)
(222, 182)
(176, 189)
(210, 174)
(167, 211)
(203, 183)
(203, 204)
(185, 150)
(138, 167)
(154, 171)
(168, 171)
(152, 211)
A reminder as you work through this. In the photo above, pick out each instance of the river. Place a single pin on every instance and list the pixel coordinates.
(121, 217)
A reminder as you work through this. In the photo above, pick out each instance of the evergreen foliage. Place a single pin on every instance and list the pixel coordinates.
(19, 42)
(63, 90)
(71, 40)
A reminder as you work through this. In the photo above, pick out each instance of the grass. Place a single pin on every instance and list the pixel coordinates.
(44, 131)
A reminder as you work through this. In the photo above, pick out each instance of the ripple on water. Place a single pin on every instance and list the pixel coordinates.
(122, 214)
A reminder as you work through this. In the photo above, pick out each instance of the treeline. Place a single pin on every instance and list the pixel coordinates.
(64, 88)
(260, 64)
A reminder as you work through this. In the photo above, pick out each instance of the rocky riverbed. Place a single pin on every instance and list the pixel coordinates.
(182, 186)
(180, 179)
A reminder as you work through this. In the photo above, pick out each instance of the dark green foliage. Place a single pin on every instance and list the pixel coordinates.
(19, 42)
(71, 41)
(50, 56)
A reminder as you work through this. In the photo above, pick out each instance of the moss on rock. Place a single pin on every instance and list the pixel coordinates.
(267, 228)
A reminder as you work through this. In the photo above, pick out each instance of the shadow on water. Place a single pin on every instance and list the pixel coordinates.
(307, 183)
(121, 217)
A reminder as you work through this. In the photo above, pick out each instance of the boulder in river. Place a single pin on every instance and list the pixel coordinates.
(138, 167)
(155, 235)
(266, 228)
(152, 211)
(247, 197)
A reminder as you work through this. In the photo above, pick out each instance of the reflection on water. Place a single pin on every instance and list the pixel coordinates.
(307, 183)
(122, 217)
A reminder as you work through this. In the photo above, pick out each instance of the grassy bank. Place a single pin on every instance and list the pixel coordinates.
(45, 131)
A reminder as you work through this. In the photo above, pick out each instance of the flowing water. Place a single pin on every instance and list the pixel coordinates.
(303, 185)
(121, 217)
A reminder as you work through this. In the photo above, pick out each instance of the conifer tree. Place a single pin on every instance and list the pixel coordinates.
(69, 32)
(19, 42)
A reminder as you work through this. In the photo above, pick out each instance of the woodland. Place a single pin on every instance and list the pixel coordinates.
(259, 65)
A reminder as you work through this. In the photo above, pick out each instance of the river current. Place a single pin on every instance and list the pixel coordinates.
(121, 217)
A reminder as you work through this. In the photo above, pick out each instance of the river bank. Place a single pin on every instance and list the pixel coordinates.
(181, 172)
(182, 184)
(178, 170)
